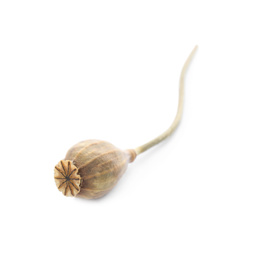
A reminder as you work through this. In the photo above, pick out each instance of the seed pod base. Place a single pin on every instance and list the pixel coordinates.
(91, 169)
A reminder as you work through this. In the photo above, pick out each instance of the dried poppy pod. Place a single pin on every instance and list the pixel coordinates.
(92, 168)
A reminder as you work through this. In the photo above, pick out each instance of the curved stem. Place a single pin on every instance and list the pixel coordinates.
(176, 121)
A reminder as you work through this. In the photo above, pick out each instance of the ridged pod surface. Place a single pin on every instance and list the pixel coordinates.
(91, 169)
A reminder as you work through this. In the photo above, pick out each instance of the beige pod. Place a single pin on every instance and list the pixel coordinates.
(92, 168)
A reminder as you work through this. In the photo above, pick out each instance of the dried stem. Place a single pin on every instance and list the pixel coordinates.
(176, 121)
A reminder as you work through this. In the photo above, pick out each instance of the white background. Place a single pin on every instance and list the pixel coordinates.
(76, 70)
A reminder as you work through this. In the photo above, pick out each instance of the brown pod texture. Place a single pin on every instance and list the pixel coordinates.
(91, 169)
